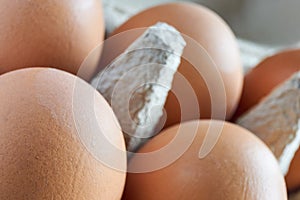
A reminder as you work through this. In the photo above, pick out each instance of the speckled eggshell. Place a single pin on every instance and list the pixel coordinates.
(260, 81)
(240, 166)
(50, 33)
(42, 132)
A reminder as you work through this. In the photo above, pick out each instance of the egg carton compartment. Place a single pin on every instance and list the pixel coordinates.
(260, 25)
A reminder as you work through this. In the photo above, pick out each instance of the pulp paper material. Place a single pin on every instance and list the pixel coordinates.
(137, 83)
(276, 121)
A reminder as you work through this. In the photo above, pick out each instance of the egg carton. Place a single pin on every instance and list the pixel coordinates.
(262, 27)
(252, 52)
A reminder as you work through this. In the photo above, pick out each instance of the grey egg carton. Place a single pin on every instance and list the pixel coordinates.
(256, 41)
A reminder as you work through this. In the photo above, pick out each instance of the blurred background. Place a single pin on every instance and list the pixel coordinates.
(263, 27)
(268, 22)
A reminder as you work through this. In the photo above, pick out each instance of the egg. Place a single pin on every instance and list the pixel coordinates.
(239, 166)
(52, 33)
(293, 176)
(59, 139)
(209, 80)
(262, 79)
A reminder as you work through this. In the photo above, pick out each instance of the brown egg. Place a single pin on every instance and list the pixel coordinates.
(201, 27)
(293, 176)
(58, 137)
(239, 166)
(262, 79)
(50, 33)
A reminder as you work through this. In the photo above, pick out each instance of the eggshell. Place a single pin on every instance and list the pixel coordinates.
(268, 74)
(45, 126)
(260, 81)
(293, 176)
(50, 33)
(240, 166)
(275, 120)
(206, 29)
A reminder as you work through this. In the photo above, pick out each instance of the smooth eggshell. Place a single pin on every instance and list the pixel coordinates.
(293, 176)
(268, 74)
(50, 33)
(43, 130)
(260, 81)
(205, 28)
(240, 166)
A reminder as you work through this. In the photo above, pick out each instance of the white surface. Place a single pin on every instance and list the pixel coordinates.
(273, 22)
